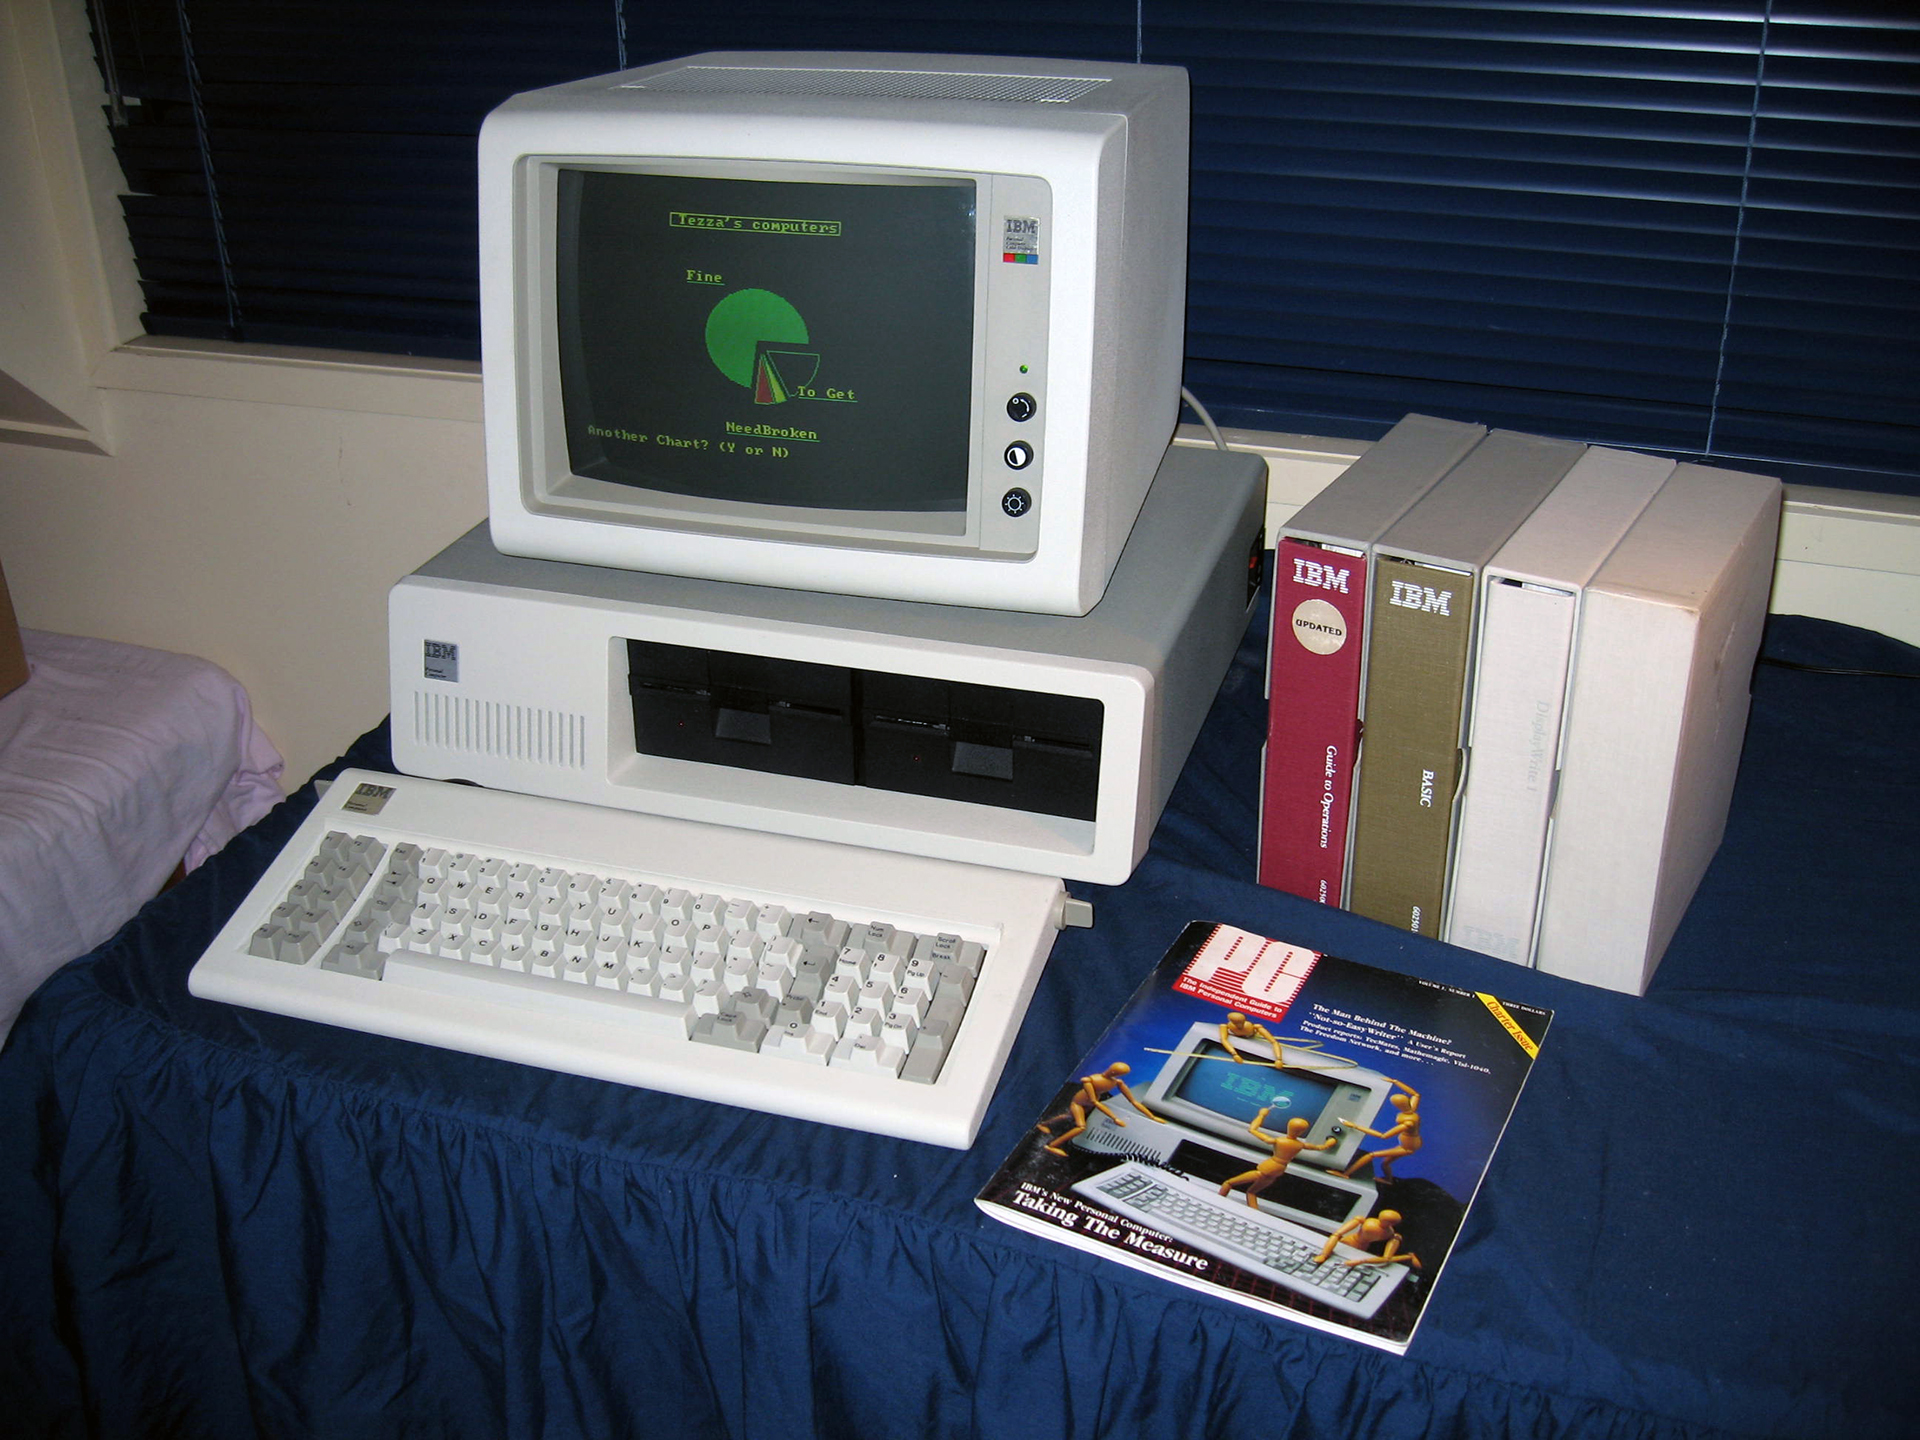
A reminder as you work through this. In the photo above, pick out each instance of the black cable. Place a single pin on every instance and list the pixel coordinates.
(1839, 669)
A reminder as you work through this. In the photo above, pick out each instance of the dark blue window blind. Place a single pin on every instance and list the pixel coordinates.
(1692, 229)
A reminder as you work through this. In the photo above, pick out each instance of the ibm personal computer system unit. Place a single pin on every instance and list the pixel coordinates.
(832, 517)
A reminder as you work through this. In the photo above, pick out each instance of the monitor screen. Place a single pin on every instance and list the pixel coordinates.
(775, 342)
(1211, 1081)
(1201, 1086)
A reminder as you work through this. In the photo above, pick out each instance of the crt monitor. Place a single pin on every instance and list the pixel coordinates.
(900, 326)
(1203, 1087)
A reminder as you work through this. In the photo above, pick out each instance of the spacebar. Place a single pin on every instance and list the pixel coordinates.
(522, 991)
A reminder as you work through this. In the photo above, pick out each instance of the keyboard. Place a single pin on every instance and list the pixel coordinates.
(803, 978)
(1226, 1227)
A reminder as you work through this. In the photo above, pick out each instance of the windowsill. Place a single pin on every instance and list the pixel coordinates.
(351, 380)
(285, 375)
(1844, 554)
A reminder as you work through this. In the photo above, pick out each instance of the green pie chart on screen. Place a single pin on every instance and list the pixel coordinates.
(753, 338)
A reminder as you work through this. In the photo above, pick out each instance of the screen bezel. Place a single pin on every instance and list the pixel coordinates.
(550, 487)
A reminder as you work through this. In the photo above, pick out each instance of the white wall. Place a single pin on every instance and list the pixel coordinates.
(263, 535)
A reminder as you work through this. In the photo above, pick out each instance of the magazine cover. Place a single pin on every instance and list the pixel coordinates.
(1290, 1130)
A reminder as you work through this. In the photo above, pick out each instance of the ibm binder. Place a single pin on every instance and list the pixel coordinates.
(1669, 628)
(1530, 597)
(1419, 656)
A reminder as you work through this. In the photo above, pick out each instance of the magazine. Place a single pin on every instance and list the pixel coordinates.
(1284, 1128)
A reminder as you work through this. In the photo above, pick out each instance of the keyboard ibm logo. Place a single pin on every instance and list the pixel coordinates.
(368, 799)
(1421, 597)
(442, 661)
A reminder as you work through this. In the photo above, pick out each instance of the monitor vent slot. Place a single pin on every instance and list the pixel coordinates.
(870, 84)
(513, 732)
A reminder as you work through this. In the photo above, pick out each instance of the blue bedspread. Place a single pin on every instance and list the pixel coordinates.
(224, 1223)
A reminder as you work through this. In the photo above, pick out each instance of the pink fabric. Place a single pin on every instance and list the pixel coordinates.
(116, 764)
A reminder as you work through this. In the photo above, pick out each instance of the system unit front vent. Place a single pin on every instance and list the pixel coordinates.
(872, 84)
(488, 727)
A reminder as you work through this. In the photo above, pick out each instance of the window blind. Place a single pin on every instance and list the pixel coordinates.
(1681, 228)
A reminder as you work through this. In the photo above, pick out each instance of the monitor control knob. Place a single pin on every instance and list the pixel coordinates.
(1016, 502)
(1018, 455)
(1022, 406)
